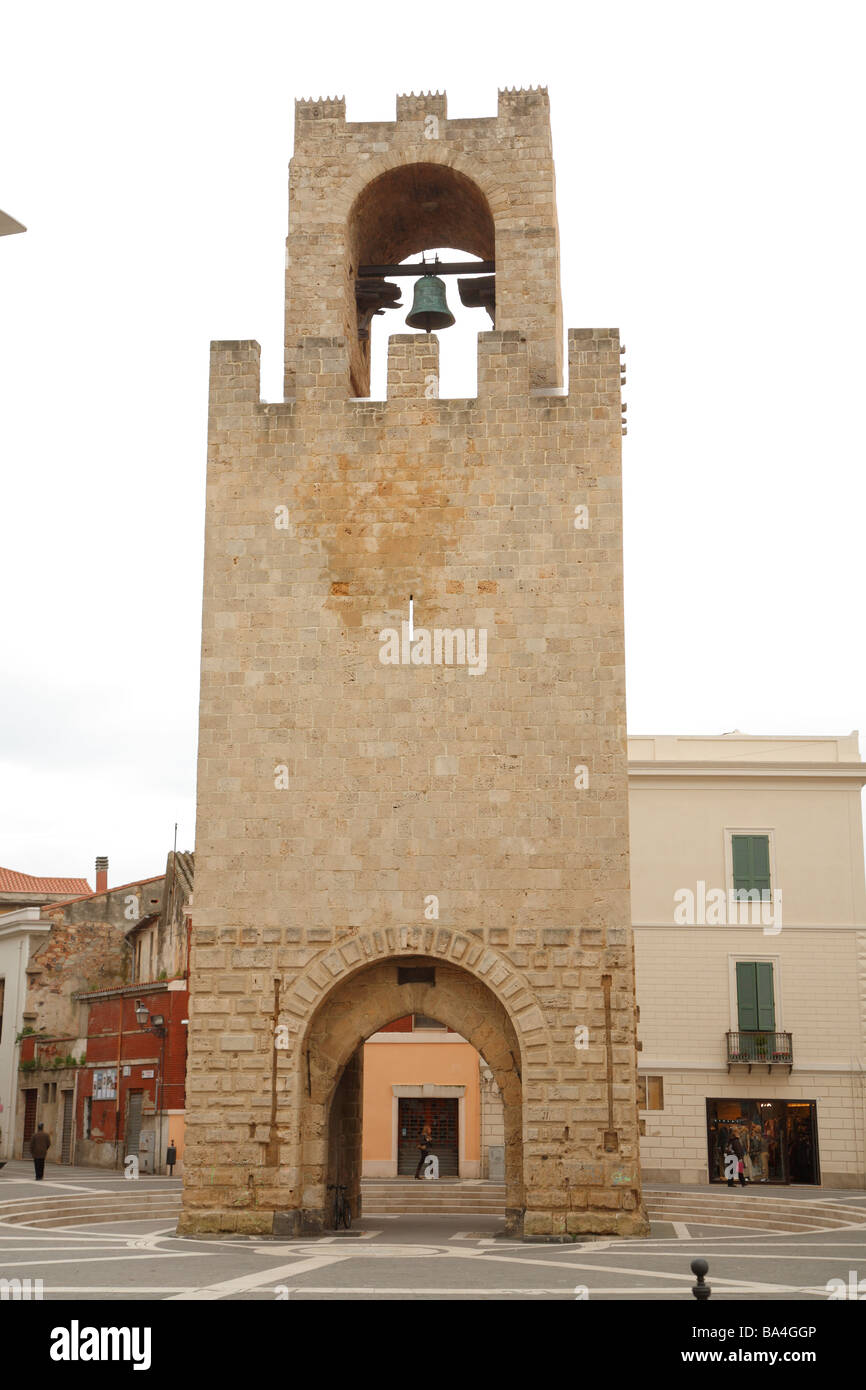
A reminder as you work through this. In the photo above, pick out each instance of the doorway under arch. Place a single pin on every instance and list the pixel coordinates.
(332, 1061)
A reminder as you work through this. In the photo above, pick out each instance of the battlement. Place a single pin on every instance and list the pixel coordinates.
(514, 104)
(504, 375)
(411, 107)
(320, 109)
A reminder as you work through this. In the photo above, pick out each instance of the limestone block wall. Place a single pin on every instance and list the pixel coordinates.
(87, 948)
(343, 801)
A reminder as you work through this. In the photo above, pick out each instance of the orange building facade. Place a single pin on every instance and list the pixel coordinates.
(420, 1074)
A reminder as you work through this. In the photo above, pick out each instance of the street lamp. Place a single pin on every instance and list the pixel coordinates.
(157, 1021)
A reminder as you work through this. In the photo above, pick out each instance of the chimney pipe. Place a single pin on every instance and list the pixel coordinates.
(101, 874)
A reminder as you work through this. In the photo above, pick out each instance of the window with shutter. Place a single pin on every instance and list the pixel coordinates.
(756, 1008)
(751, 863)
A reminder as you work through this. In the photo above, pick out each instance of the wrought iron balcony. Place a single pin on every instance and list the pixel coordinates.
(760, 1048)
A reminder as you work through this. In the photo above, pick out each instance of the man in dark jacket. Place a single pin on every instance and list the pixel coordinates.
(39, 1146)
(424, 1149)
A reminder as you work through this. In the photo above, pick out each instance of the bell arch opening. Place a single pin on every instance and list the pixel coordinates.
(332, 1072)
(403, 212)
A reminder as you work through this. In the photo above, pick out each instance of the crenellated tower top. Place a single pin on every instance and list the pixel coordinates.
(372, 193)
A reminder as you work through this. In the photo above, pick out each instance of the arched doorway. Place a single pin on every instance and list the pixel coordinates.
(406, 210)
(332, 1062)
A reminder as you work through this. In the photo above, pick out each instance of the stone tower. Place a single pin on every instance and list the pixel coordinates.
(413, 814)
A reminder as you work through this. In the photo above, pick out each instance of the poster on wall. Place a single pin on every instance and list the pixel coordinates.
(105, 1084)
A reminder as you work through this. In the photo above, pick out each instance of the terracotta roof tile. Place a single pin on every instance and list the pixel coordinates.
(13, 882)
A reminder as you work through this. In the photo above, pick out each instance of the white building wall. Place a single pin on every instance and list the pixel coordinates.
(17, 930)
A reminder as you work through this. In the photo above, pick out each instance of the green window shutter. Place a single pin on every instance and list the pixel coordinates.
(755, 1007)
(742, 860)
(766, 1007)
(761, 862)
(747, 996)
(751, 862)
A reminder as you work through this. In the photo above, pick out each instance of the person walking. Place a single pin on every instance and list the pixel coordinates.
(730, 1163)
(424, 1149)
(737, 1146)
(39, 1146)
(758, 1151)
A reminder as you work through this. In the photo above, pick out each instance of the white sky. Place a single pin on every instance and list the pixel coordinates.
(709, 175)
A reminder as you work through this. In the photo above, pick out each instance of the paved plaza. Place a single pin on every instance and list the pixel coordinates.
(48, 1232)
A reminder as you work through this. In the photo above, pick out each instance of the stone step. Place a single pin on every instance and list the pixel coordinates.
(454, 1204)
(755, 1214)
(446, 1204)
(444, 1198)
(59, 1203)
(441, 1200)
(495, 1189)
(115, 1198)
(797, 1215)
(56, 1223)
(422, 1195)
(752, 1197)
(745, 1223)
(384, 1196)
(87, 1199)
(75, 1212)
(373, 1212)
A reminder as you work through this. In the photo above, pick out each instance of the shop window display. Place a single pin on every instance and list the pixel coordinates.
(777, 1139)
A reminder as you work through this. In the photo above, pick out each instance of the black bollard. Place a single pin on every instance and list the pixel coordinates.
(701, 1289)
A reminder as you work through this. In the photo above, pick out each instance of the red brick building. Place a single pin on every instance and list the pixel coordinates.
(131, 1093)
(103, 1050)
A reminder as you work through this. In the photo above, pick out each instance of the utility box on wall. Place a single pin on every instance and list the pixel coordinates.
(496, 1162)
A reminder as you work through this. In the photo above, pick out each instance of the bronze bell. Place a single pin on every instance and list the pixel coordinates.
(429, 307)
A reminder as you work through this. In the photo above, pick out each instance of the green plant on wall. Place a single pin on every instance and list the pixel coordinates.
(28, 1066)
(68, 1060)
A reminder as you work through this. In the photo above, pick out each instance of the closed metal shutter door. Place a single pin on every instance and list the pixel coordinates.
(66, 1143)
(30, 1098)
(133, 1123)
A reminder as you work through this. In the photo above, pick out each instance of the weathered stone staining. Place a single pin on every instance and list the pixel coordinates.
(407, 783)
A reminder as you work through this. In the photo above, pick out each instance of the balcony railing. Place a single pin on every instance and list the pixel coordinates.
(760, 1048)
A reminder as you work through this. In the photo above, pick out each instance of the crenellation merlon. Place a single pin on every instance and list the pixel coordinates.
(413, 367)
(320, 108)
(594, 370)
(412, 108)
(318, 119)
(235, 374)
(519, 101)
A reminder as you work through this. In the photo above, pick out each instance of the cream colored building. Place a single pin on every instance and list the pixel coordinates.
(697, 805)
(706, 813)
